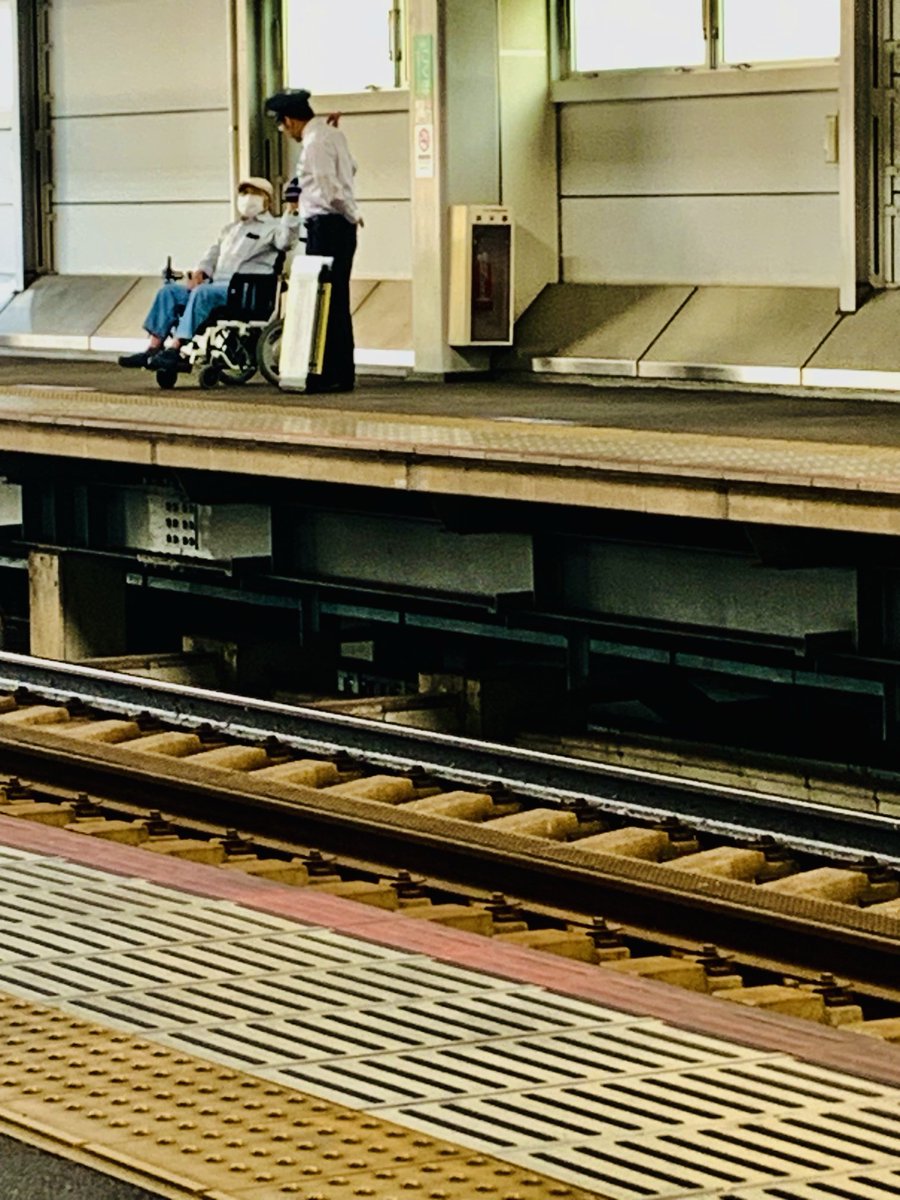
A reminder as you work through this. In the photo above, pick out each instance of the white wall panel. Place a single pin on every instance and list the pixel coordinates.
(705, 189)
(6, 165)
(138, 55)
(385, 244)
(767, 143)
(6, 61)
(790, 240)
(8, 242)
(380, 145)
(135, 239)
(141, 125)
(141, 157)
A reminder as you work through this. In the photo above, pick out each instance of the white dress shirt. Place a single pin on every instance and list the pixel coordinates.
(250, 246)
(325, 171)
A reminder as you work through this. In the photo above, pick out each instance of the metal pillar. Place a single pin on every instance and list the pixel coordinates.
(35, 136)
(259, 72)
(884, 80)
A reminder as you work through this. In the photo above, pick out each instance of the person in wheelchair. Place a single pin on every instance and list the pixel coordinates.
(249, 246)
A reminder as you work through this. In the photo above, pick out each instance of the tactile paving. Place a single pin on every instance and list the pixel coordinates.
(473, 1068)
(324, 1034)
(705, 1158)
(871, 1185)
(216, 965)
(551, 1087)
(138, 1106)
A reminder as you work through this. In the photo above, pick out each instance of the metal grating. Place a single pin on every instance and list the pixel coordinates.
(472, 1068)
(341, 1033)
(129, 929)
(872, 1185)
(380, 982)
(187, 964)
(754, 1087)
(622, 1106)
(725, 1156)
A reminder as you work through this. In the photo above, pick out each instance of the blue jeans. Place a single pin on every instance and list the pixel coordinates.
(189, 307)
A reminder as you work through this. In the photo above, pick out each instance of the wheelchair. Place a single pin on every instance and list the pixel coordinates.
(239, 338)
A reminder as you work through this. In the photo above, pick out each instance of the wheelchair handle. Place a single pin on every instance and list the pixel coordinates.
(169, 274)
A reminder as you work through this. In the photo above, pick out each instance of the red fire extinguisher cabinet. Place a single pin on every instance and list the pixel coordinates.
(481, 275)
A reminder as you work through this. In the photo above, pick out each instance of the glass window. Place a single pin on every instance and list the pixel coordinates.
(758, 31)
(613, 35)
(341, 45)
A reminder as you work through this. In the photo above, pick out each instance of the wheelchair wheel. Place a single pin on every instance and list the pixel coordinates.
(268, 352)
(209, 376)
(235, 358)
(236, 378)
(167, 378)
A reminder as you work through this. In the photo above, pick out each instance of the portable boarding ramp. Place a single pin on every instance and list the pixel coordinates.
(305, 320)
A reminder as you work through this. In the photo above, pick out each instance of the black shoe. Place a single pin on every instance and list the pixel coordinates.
(136, 360)
(168, 360)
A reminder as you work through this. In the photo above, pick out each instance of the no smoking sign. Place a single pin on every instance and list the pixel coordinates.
(424, 151)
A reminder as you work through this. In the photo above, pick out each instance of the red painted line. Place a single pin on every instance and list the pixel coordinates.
(869, 1058)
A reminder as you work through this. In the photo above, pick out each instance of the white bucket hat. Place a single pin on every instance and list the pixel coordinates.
(257, 181)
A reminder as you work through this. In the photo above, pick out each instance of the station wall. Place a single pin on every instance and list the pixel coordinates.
(701, 189)
(717, 189)
(142, 142)
(141, 132)
(379, 139)
(8, 242)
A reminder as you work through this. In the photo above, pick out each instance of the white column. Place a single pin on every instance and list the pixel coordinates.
(239, 98)
(454, 127)
(530, 178)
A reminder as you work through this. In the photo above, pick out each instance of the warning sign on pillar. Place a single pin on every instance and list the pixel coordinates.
(424, 151)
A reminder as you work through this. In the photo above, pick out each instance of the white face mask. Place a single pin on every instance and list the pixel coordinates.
(249, 205)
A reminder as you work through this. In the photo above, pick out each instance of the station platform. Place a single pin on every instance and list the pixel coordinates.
(718, 455)
(201, 1032)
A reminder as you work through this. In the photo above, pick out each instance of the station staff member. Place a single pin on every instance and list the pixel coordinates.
(325, 174)
(249, 245)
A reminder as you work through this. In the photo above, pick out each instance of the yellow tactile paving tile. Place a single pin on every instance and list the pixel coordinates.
(130, 1107)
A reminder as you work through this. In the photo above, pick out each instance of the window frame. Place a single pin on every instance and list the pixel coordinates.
(714, 77)
(397, 14)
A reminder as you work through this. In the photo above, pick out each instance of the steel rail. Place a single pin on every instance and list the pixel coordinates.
(802, 933)
(549, 778)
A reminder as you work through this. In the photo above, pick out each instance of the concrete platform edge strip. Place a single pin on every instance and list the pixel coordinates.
(811, 1043)
(61, 1147)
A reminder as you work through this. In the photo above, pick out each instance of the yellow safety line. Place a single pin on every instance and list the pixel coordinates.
(187, 1126)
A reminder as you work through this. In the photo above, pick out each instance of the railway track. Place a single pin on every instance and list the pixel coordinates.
(551, 778)
(577, 874)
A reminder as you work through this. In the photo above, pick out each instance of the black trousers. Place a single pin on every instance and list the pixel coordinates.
(334, 236)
